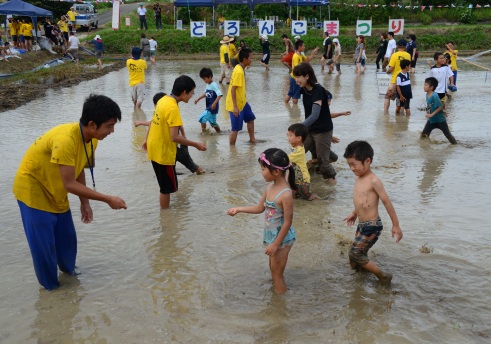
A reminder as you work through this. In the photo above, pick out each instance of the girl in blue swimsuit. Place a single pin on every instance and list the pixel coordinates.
(277, 202)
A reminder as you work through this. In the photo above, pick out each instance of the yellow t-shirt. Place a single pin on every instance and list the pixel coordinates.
(26, 29)
(297, 157)
(453, 59)
(38, 183)
(13, 29)
(232, 50)
(136, 68)
(296, 60)
(71, 15)
(224, 50)
(237, 79)
(160, 147)
(395, 61)
(63, 25)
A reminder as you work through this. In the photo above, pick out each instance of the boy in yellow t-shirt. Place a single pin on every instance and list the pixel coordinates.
(27, 33)
(164, 134)
(453, 60)
(136, 68)
(297, 133)
(236, 102)
(394, 70)
(225, 60)
(52, 167)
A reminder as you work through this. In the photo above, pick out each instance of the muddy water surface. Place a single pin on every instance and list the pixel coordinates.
(193, 274)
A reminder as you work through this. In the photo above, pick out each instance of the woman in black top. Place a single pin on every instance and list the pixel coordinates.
(382, 49)
(318, 117)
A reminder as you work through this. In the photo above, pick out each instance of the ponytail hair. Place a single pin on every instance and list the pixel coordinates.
(276, 159)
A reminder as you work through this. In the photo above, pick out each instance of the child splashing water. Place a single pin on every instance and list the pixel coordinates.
(277, 200)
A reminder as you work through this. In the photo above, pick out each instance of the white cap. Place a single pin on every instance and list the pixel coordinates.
(335, 40)
(297, 37)
(97, 37)
(264, 37)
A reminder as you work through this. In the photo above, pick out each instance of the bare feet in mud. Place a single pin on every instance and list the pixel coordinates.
(385, 279)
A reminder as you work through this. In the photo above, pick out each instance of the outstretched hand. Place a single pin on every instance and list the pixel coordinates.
(351, 219)
(232, 211)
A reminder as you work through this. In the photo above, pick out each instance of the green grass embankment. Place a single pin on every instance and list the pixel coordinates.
(175, 42)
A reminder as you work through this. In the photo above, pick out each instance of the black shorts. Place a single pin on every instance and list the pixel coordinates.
(265, 58)
(403, 104)
(166, 177)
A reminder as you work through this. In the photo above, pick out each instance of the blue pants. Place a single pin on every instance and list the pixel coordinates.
(53, 242)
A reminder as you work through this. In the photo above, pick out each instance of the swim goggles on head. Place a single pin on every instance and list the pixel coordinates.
(262, 157)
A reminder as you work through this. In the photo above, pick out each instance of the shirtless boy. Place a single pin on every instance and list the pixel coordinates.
(366, 194)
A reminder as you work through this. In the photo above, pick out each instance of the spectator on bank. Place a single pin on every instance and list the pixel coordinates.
(158, 16)
(142, 12)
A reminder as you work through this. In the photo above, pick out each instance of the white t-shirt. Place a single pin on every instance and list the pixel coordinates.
(441, 74)
(153, 44)
(142, 11)
(74, 42)
(391, 46)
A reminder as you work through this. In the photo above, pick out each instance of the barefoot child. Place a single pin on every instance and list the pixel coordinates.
(212, 95)
(277, 200)
(297, 133)
(182, 154)
(164, 133)
(403, 87)
(366, 194)
(436, 116)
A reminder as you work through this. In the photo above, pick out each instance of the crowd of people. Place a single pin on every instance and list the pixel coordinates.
(287, 174)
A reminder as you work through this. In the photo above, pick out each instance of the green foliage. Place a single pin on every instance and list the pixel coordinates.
(426, 19)
(466, 16)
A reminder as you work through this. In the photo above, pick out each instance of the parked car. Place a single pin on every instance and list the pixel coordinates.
(87, 16)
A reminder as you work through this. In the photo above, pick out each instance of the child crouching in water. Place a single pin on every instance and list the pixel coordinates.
(366, 194)
(297, 133)
(277, 200)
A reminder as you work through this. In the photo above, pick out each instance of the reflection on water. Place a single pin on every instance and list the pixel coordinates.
(194, 274)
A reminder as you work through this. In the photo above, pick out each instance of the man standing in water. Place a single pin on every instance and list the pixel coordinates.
(236, 102)
(52, 167)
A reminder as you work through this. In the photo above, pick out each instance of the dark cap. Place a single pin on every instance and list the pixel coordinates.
(136, 52)
(401, 43)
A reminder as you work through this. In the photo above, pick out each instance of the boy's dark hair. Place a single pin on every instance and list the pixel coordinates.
(299, 129)
(284, 36)
(360, 150)
(206, 73)
(384, 35)
(183, 83)
(447, 56)
(298, 44)
(279, 158)
(157, 97)
(391, 34)
(432, 82)
(143, 35)
(449, 42)
(405, 63)
(244, 53)
(436, 56)
(99, 109)
(305, 69)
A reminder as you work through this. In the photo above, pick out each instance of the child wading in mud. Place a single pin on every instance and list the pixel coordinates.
(367, 192)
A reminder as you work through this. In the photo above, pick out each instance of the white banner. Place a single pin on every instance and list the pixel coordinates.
(266, 27)
(396, 26)
(299, 27)
(364, 27)
(231, 27)
(115, 19)
(332, 26)
(179, 24)
(198, 29)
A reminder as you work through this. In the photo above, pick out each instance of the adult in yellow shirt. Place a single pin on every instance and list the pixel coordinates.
(136, 68)
(63, 25)
(232, 51)
(225, 64)
(236, 102)
(453, 60)
(298, 57)
(14, 30)
(52, 167)
(71, 19)
(164, 133)
(394, 70)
